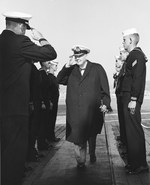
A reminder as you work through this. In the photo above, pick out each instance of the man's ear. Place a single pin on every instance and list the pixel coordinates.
(131, 40)
(20, 25)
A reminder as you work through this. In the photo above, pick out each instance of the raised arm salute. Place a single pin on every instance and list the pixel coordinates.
(87, 87)
(17, 54)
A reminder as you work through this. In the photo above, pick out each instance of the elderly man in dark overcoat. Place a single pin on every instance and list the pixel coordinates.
(87, 91)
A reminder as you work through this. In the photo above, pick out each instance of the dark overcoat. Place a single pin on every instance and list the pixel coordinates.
(83, 99)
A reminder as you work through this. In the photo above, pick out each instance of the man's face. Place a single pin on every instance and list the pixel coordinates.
(123, 55)
(118, 65)
(126, 42)
(80, 60)
(53, 66)
(46, 64)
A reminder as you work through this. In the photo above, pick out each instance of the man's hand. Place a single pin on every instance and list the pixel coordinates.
(36, 35)
(43, 106)
(71, 61)
(132, 106)
(51, 105)
(103, 108)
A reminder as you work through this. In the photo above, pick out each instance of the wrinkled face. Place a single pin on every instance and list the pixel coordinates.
(53, 66)
(46, 64)
(80, 60)
(118, 65)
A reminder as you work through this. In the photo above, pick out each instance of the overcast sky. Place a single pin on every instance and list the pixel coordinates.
(97, 24)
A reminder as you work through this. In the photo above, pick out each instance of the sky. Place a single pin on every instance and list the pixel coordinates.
(96, 24)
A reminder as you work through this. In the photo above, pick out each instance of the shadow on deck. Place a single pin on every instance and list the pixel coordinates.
(58, 167)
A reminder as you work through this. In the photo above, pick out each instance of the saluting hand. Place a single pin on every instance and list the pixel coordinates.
(36, 35)
(71, 61)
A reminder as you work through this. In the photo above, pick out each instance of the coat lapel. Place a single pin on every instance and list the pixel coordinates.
(87, 70)
(77, 74)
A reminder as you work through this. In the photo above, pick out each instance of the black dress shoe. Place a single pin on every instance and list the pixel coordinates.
(124, 156)
(92, 158)
(118, 138)
(43, 147)
(128, 167)
(81, 165)
(56, 139)
(141, 169)
(27, 169)
(41, 155)
(34, 158)
(121, 145)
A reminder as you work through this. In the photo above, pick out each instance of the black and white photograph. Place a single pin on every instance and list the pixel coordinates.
(75, 92)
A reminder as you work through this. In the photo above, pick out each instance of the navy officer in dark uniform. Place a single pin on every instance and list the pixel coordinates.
(34, 118)
(17, 53)
(133, 86)
(45, 90)
(54, 97)
(120, 69)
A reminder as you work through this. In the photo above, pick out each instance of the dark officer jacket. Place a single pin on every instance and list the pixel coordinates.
(45, 88)
(17, 54)
(54, 93)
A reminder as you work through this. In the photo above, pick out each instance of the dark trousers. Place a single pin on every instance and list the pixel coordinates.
(42, 131)
(92, 145)
(52, 121)
(14, 140)
(121, 119)
(135, 135)
(34, 126)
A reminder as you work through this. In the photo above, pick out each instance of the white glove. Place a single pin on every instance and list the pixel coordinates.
(36, 35)
(132, 106)
(51, 105)
(43, 106)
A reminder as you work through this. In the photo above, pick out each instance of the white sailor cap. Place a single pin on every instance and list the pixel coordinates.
(18, 17)
(80, 50)
(129, 31)
(54, 62)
